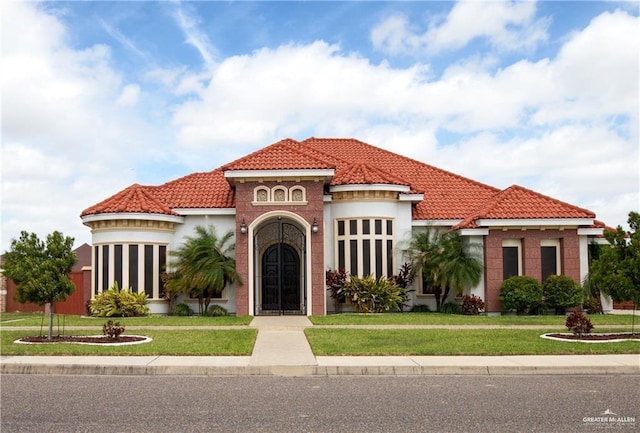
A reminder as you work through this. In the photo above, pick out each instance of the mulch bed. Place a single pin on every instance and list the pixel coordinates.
(597, 337)
(83, 339)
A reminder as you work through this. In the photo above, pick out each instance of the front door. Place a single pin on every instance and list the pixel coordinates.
(281, 280)
(279, 268)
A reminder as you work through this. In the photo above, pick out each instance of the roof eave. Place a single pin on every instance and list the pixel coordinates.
(536, 222)
(131, 216)
(370, 187)
(234, 176)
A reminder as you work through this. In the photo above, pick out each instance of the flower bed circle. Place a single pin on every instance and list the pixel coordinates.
(95, 340)
(593, 338)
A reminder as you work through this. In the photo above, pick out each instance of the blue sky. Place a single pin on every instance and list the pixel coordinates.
(99, 95)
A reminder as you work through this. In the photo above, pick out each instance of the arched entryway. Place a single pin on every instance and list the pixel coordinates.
(279, 268)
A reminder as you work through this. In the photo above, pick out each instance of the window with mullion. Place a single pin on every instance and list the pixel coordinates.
(365, 246)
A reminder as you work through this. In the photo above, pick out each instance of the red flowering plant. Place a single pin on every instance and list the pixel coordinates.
(472, 305)
(335, 281)
(112, 330)
(578, 323)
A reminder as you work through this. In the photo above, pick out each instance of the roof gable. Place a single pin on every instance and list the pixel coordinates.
(517, 202)
(284, 155)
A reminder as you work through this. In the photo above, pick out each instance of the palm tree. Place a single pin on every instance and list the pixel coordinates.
(203, 266)
(444, 261)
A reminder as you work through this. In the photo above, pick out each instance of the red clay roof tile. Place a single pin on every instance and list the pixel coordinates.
(134, 199)
(446, 195)
(517, 202)
(284, 155)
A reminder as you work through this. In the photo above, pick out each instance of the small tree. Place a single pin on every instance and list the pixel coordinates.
(41, 269)
(203, 266)
(445, 261)
(616, 272)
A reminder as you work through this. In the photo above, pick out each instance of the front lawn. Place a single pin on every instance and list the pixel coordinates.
(35, 319)
(339, 342)
(185, 342)
(458, 319)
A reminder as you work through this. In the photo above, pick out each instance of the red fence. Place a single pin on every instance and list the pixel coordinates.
(75, 303)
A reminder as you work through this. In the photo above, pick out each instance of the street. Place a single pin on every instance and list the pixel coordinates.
(171, 404)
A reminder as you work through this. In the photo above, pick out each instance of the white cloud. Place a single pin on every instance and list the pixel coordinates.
(129, 96)
(529, 122)
(66, 142)
(508, 26)
(188, 23)
(75, 130)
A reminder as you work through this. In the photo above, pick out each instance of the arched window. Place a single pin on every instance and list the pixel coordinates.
(279, 193)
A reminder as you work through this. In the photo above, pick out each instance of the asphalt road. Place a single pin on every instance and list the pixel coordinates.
(119, 404)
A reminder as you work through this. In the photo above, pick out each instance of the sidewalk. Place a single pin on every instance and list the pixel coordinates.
(282, 349)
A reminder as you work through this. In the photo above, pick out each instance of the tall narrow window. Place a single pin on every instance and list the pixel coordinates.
(511, 258)
(105, 267)
(148, 270)
(133, 267)
(550, 258)
(353, 246)
(162, 252)
(117, 265)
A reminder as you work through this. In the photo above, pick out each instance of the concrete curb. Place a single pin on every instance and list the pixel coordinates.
(326, 366)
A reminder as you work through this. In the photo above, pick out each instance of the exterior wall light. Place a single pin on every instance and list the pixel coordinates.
(314, 226)
(243, 227)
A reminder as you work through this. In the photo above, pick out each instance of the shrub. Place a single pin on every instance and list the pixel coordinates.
(451, 308)
(216, 311)
(578, 323)
(182, 310)
(120, 302)
(372, 296)
(561, 292)
(521, 293)
(335, 281)
(421, 308)
(472, 305)
(403, 280)
(593, 305)
(112, 330)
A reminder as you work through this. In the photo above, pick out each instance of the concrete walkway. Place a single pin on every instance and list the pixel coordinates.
(281, 348)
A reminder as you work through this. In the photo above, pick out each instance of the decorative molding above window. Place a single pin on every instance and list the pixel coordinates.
(279, 194)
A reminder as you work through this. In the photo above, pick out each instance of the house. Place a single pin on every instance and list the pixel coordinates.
(300, 208)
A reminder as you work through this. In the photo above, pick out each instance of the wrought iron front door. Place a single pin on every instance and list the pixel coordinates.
(279, 264)
(281, 279)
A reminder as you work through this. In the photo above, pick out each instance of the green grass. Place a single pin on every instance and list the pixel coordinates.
(363, 342)
(457, 319)
(35, 319)
(175, 342)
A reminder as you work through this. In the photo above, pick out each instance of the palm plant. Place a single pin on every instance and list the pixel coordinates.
(203, 266)
(445, 262)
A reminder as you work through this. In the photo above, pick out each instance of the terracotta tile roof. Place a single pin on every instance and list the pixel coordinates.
(517, 202)
(362, 173)
(447, 195)
(197, 190)
(284, 155)
(134, 199)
